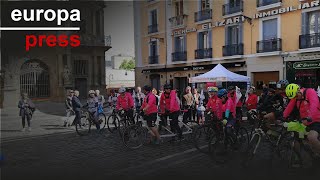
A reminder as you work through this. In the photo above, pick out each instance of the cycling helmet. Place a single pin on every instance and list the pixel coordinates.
(282, 84)
(147, 88)
(122, 90)
(212, 89)
(167, 86)
(291, 90)
(222, 93)
(91, 92)
(252, 87)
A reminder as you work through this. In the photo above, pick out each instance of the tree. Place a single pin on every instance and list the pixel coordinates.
(127, 64)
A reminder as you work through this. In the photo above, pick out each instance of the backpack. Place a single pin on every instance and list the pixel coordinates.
(157, 100)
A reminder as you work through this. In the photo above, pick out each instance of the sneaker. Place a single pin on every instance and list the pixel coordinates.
(23, 129)
(29, 129)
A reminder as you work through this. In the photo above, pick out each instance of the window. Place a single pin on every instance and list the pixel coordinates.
(205, 4)
(204, 40)
(180, 44)
(270, 29)
(153, 17)
(179, 8)
(233, 35)
(80, 67)
(65, 60)
(98, 23)
(153, 48)
(313, 22)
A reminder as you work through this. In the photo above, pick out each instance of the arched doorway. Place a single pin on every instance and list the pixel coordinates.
(34, 79)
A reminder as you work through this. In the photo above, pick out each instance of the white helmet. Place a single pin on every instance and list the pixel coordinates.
(122, 90)
(91, 92)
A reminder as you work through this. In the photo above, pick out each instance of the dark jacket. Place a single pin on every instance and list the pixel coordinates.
(271, 103)
(76, 104)
(26, 107)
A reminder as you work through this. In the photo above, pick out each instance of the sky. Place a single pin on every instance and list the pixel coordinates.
(119, 24)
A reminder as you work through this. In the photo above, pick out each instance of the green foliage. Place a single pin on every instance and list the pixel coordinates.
(128, 64)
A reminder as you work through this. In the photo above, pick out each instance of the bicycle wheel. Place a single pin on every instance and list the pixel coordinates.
(84, 126)
(113, 123)
(134, 137)
(242, 139)
(251, 150)
(102, 120)
(188, 133)
(200, 138)
(286, 150)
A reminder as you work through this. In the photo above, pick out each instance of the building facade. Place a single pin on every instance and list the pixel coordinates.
(46, 73)
(267, 40)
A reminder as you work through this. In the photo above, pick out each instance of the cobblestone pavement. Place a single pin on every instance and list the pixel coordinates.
(102, 156)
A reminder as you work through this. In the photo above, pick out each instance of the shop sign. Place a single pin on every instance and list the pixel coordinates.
(287, 9)
(183, 31)
(241, 19)
(306, 65)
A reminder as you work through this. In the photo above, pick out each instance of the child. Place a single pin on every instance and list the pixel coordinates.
(200, 113)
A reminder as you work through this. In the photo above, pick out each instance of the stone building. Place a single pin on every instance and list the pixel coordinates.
(47, 72)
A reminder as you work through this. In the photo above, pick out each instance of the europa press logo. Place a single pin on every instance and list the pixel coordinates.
(56, 16)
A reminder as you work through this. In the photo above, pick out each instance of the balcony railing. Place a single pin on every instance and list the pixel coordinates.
(154, 59)
(179, 56)
(269, 45)
(153, 28)
(178, 21)
(231, 8)
(203, 15)
(309, 41)
(203, 53)
(233, 49)
(267, 2)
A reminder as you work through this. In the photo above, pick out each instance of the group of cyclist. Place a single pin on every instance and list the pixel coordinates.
(221, 104)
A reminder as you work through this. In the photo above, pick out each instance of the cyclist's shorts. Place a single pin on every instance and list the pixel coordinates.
(315, 127)
(151, 119)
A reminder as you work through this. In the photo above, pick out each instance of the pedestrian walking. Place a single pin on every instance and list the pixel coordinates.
(69, 108)
(26, 110)
(76, 105)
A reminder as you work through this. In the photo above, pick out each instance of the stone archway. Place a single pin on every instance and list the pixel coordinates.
(34, 79)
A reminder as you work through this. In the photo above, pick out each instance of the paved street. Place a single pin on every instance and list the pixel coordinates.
(51, 151)
(68, 156)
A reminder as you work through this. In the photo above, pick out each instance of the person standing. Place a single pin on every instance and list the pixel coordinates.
(69, 109)
(196, 97)
(92, 105)
(138, 98)
(188, 101)
(149, 107)
(101, 101)
(252, 99)
(76, 106)
(26, 110)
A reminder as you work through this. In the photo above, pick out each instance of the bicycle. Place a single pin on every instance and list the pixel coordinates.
(275, 137)
(135, 136)
(296, 142)
(83, 127)
(224, 139)
(113, 122)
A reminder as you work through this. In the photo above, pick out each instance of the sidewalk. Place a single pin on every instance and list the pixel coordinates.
(47, 119)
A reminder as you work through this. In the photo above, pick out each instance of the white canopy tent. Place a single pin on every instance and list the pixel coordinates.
(219, 74)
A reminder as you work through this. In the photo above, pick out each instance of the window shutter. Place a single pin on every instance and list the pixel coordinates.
(304, 23)
(210, 38)
(226, 35)
(240, 33)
